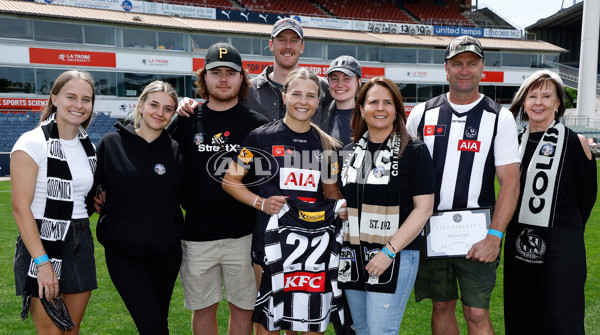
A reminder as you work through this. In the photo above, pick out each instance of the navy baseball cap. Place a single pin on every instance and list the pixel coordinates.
(223, 54)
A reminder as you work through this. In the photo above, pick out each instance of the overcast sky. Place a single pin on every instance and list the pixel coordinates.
(523, 13)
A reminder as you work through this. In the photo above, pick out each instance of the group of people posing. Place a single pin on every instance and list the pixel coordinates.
(306, 199)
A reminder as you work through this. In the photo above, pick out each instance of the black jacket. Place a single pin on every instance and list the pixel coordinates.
(143, 181)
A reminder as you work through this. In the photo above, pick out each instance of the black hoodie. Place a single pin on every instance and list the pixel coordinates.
(143, 181)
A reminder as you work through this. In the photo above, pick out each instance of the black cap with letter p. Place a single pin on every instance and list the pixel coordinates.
(223, 54)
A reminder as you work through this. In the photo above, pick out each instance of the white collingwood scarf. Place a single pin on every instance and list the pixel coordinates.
(538, 204)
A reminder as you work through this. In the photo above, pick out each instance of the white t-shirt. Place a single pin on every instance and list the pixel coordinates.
(33, 143)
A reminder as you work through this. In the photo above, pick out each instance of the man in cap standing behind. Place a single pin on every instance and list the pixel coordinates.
(286, 44)
(218, 230)
(471, 139)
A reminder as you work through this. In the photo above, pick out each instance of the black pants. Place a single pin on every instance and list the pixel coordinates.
(146, 285)
(546, 302)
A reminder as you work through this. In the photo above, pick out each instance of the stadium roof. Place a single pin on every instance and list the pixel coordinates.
(564, 18)
(233, 27)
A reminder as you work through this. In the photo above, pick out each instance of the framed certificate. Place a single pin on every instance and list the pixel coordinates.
(452, 233)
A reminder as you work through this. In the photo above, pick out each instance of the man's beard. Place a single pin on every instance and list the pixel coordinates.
(216, 95)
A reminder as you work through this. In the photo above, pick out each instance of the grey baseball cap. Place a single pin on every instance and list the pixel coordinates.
(463, 44)
(346, 64)
(285, 24)
(223, 54)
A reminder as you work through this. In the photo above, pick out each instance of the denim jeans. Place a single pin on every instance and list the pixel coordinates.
(381, 313)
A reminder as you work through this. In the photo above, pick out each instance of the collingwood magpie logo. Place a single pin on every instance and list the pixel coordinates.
(529, 246)
(470, 132)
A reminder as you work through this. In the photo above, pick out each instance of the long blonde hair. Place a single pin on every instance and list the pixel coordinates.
(59, 83)
(328, 142)
(155, 86)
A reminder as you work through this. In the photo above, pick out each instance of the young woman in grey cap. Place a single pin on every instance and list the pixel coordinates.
(344, 77)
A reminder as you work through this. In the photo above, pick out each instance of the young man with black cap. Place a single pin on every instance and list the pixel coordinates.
(471, 139)
(218, 230)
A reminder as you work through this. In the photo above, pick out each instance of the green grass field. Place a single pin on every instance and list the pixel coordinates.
(106, 313)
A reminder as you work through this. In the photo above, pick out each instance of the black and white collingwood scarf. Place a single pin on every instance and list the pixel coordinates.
(59, 203)
(371, 188)
(538, 204)
(530, 236)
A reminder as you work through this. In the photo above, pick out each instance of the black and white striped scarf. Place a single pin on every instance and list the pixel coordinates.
(371, 188)
(538, 204)
(59, 202)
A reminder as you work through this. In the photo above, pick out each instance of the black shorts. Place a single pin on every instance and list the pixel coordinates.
(78, 273)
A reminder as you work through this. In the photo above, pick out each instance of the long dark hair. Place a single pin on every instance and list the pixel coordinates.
(359, 125)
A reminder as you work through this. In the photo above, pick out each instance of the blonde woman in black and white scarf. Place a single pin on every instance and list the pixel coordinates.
(52, 172)
(544, 265)
(389, 186)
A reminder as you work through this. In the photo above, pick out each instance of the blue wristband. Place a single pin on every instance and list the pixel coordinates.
(496, 233)
(387, 252)
(42, 259)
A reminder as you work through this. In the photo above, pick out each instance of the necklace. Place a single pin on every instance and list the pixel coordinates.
(65, 143)
(530, 140)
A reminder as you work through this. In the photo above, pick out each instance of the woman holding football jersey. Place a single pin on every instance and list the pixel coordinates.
(288, 158)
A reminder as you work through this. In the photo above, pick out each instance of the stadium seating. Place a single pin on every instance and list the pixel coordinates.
(367, 9)
(282, 7)
(12, 125)
(424, 12)
(438, 14)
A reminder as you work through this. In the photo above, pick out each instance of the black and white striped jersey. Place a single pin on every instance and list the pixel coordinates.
(466, 146)
(302, 246)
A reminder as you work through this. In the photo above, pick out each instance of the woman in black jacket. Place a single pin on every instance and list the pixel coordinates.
(140, 169)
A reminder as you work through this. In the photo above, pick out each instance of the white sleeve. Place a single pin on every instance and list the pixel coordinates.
(506, 146)
(414, 118)
(32, 143)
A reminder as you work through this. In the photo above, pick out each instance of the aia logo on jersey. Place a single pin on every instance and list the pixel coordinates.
(282, 150)
(299, 179)
(435, 130)
(311, 216)
(469, 145)
(304, 281)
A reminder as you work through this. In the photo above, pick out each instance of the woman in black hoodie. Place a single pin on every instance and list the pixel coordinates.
(140, 170)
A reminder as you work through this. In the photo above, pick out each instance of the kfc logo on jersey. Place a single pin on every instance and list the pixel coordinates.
(435, 130)
(469, 145)
(299, 179)
(304, 281)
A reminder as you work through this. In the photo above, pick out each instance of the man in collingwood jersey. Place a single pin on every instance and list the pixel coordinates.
(471, 139)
